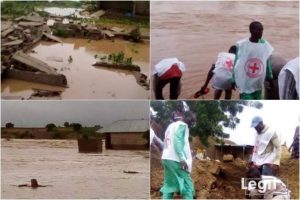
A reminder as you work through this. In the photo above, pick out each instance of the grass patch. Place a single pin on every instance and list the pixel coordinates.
(120, 21)
(89, 133)
(60, 32)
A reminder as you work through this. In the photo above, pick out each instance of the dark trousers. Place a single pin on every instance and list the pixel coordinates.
(174, 87)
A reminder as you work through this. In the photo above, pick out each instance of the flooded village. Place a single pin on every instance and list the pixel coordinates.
(104, 156)
(93, 51)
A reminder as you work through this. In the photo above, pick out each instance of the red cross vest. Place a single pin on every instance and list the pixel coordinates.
(169, 152)
(251, 64)
(223, 71)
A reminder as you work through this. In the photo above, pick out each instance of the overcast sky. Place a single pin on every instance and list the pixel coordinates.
(88, 113)
(281, 116)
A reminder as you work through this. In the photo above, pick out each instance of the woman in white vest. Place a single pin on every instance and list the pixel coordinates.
(177, 159)
(266, 151)
(288, 80)
(252, 66)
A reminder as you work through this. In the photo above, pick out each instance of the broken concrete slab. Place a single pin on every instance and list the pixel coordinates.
(55, 58)
(46, 29)
(39, 77)
(65, 21)
(118, 66)
(51, 37)
(7, 32)
(50, 22)
(27, 31)
(34, 63)
(29, 19)
(17, 27)
(30, 24)
(33, 19)
(13, 43)
(91, 28)
(117, 29)
(12, 38)
(108, 33)
(35, 14)
(98, 14)
(12, 97)
(5, 25)
(45, 93)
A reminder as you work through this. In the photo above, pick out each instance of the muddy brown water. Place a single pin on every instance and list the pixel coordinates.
(195, 32)
(70, 174)
(84, 80)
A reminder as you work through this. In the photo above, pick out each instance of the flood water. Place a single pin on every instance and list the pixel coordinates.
(84, 80)
(195, 32)
(69, 174)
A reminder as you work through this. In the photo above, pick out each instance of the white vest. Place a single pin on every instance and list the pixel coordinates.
(259, 156)
(293, 67)
(223, 71)
(250, 67)
(169, 152)
(164, 65)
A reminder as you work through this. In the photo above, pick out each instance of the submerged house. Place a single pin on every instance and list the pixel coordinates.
(127, 135)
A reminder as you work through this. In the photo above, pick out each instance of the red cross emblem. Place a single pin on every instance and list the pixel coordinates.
(228, 64)
(254, 68)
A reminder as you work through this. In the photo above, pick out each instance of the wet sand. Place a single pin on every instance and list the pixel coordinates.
(71, 174)
(84, 80)
(196, 32)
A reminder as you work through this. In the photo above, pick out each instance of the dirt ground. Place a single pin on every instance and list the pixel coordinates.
(222, 180)
(69, 174)
(196, 31)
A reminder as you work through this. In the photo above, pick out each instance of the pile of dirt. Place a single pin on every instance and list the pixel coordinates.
(289, 172)
(212, 179)
(218, 180)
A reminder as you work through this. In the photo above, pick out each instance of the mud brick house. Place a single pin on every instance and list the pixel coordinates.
(127, 135)
(238, 151)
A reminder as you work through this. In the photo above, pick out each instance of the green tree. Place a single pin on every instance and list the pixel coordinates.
(66, 124)
(50, 127)
(211, 115)
(76, 126)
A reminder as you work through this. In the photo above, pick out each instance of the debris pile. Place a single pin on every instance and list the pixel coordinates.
(212, 179)
(19, 35)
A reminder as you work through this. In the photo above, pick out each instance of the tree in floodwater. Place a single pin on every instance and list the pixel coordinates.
(211, 115)
(76, 126)
(50, 127)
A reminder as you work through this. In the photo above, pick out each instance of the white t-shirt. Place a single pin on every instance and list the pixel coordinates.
(260, 156)
(251, 64)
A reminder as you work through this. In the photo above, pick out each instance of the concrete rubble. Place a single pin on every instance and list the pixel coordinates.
(21, 34)
(17, 37)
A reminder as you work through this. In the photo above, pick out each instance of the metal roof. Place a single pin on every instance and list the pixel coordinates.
(126, 126)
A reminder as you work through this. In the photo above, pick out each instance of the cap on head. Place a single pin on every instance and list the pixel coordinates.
(255, 121)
